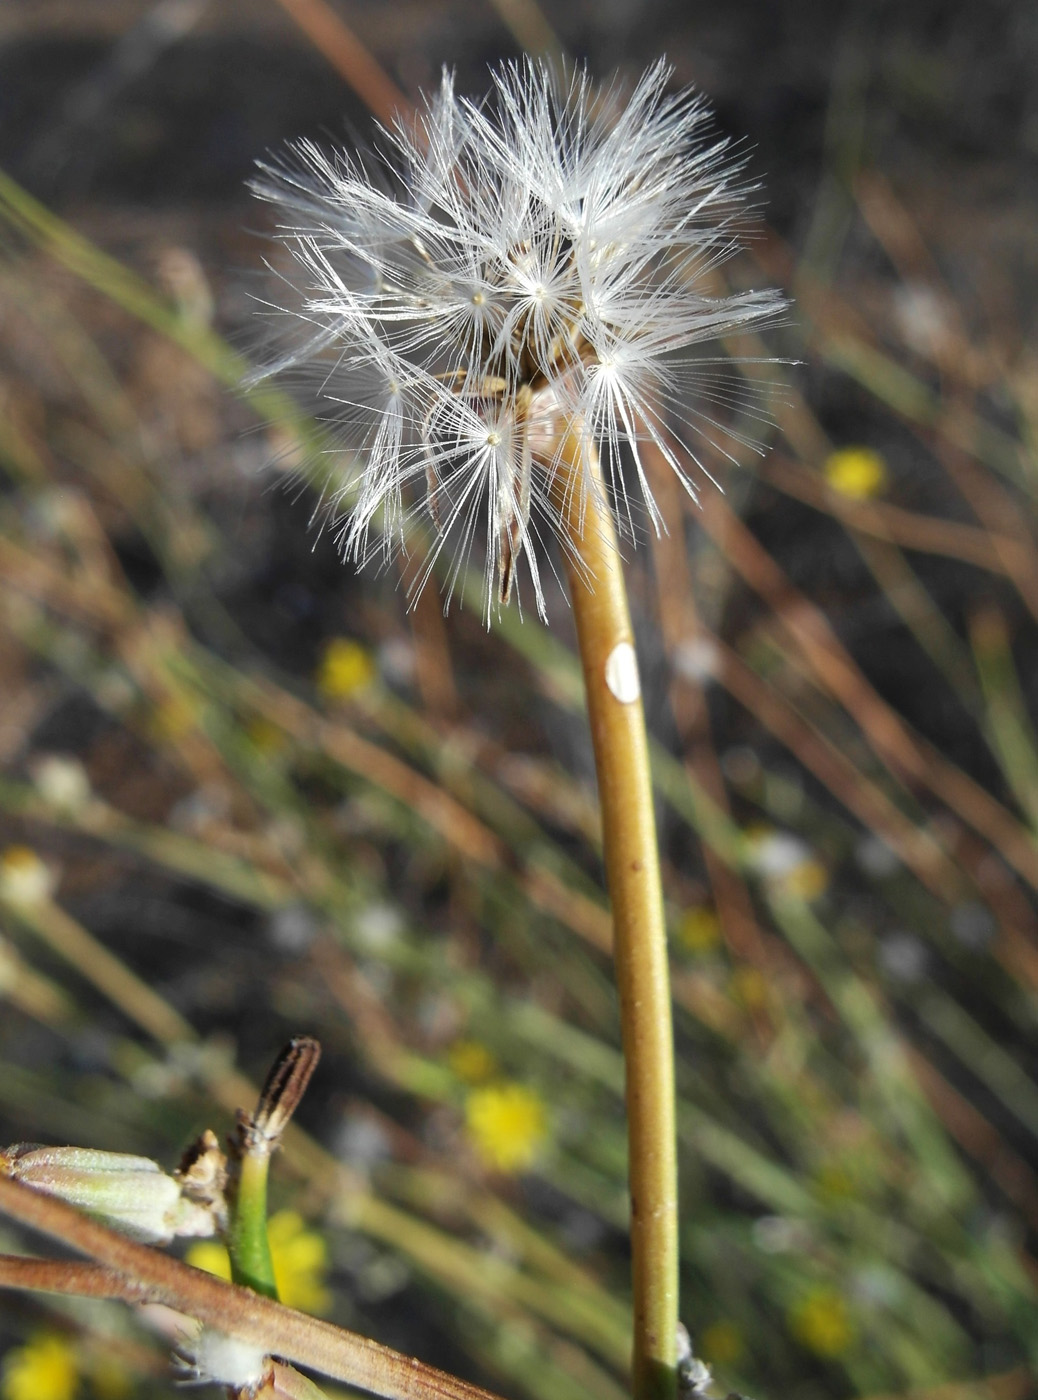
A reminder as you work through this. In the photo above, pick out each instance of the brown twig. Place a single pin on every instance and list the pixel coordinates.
(332, 36)
(137, 1274)
(72, 1277)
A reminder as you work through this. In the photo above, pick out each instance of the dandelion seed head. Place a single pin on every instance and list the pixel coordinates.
(822, 1323)
(547, 256)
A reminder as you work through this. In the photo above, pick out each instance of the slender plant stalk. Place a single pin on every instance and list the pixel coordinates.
(247, 1242)
(95, 1281)
(632, 871)
(135, 1273)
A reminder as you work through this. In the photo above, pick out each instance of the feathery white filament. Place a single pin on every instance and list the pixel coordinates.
(494, 273)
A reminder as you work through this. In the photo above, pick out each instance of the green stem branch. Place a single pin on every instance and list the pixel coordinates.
(247, 1241)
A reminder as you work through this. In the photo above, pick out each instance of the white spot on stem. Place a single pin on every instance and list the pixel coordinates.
(621, 673)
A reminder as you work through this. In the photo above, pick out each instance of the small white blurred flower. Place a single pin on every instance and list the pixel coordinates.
(61, 781)
(775, 854)
(877, 1285)
(200, 809)
(776, 1234)
(696, 660)
(922, 317)
(494, 274)
(973, 925)
(361, 1141)
(397, 661)
(292, 928)
(904, 957)
(875, 857)
(378, 926)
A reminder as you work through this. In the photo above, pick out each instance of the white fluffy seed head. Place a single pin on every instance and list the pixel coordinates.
(549, 254)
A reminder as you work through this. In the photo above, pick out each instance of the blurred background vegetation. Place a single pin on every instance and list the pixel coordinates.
(247, 794)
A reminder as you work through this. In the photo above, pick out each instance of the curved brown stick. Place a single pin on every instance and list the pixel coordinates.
(70, 1276)
(139, 1274)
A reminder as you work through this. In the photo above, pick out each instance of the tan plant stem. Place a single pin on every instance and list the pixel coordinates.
(135, 1273)
(632, 871)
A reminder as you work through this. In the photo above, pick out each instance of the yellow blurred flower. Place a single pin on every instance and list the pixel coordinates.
(807, 880)
(749, 988)
(857, 472)
(267, 737)
(699, 930)
(300, 1258)
(835, 1183)
(822, 1323)
(721, 1343)
(211, 1256)
(300, 1262)
(471, 1062)
(24, 877)
(345, 668)
(109, 1378)
(174, 718)
(44, 1369)
(507, 1124)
